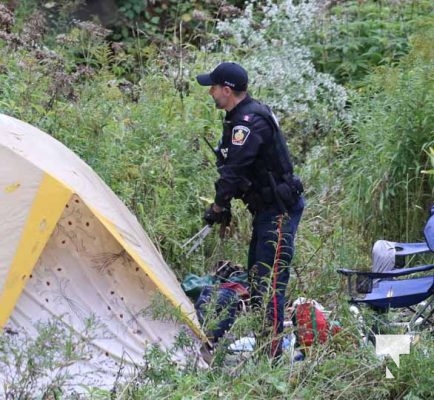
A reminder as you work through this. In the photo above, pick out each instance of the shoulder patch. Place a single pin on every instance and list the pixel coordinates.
(239, 135)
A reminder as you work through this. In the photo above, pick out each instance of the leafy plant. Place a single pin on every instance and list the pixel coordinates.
(172, 20)
(353, 38)
(430, 153)
(40, 365)
(134, 112)
(394, 127)
(270, 42)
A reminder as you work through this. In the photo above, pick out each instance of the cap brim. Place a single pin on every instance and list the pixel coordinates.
(205, 80)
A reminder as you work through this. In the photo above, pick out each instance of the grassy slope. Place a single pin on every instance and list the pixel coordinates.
(144, 139)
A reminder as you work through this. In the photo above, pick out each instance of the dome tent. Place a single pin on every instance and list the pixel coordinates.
(72, 251)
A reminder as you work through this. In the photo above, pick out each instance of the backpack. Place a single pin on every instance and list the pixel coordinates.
(312, 325)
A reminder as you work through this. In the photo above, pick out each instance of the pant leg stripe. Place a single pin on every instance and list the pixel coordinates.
(275, 341)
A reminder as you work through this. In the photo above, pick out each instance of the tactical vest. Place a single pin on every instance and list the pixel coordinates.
(272, 183)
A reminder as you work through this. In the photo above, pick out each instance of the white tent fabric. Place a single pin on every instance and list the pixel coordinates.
(72, 251)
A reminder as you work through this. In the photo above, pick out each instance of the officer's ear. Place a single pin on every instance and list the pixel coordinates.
(227, 90)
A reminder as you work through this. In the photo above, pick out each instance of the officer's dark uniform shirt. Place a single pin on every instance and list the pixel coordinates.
(247, 152)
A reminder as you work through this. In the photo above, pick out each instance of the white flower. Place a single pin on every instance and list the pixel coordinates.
(279, 63)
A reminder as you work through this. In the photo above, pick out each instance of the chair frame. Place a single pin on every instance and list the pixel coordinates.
(402, 293)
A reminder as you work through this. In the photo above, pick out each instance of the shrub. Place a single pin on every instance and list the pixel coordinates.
(386, 192)
(353, 38)
(270, 43)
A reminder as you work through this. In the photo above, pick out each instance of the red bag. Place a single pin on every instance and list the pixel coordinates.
(312, 325)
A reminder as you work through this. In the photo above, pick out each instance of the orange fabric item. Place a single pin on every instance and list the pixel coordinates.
(312, 325)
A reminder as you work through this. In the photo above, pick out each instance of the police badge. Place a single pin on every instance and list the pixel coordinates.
(240, 134)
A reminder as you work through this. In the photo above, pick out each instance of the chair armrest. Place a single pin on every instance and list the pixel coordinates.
(386, 274)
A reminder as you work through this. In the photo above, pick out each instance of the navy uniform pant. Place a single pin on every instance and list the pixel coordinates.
(270, 254)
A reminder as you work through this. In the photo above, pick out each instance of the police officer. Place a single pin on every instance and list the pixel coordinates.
(254, 165)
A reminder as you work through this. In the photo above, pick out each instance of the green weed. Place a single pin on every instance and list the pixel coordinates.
(135, 114)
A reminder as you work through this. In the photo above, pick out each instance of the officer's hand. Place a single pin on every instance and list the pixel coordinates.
(215, 214)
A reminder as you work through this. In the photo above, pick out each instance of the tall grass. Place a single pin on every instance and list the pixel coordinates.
(393, 129)
(355, 37)
(360, 158)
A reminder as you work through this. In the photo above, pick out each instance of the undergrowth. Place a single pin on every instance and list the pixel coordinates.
(360, 150)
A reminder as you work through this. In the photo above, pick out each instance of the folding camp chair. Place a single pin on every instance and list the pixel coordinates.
(391, 286)
(410, 288)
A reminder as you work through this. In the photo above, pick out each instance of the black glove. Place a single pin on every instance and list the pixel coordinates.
(222, 217)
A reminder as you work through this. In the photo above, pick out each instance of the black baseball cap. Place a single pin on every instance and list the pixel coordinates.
(226, 74)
